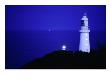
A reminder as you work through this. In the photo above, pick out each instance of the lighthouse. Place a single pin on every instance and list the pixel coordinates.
(84, 44)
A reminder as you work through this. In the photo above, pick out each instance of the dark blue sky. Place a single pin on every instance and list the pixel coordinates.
(58, 17)
(27, 36)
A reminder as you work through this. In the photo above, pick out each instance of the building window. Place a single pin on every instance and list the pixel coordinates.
(82, 22)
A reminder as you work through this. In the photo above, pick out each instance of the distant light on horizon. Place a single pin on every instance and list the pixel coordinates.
(49, 30)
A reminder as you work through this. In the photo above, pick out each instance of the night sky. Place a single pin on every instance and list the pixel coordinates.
(33, 31)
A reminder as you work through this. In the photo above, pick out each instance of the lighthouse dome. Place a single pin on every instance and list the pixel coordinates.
(84, 17)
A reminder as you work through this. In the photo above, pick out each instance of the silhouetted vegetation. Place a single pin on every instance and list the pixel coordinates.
(70, 60)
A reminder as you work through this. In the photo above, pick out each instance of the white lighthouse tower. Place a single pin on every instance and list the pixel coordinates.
(84, 44)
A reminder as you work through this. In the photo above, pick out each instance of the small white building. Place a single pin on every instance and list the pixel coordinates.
(63, 47)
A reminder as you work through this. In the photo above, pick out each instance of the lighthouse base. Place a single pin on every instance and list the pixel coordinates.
(84, 45)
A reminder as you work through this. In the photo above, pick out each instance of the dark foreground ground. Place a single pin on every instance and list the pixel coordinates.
(69, 60)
